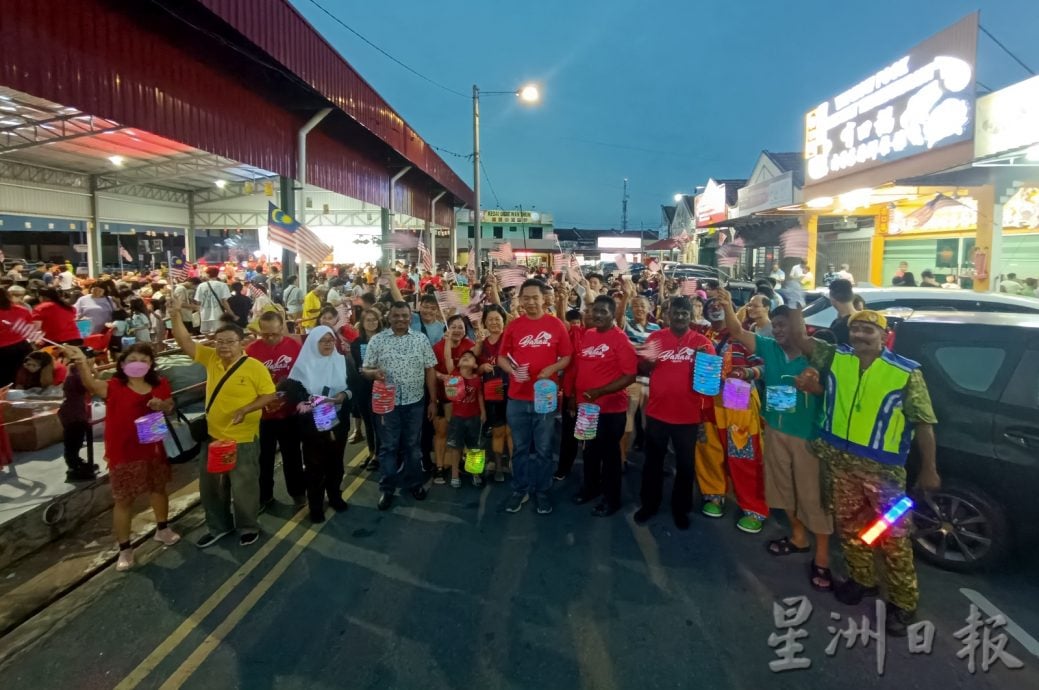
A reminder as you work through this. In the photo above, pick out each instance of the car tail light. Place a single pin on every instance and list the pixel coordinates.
(891, 340)
(810, 329)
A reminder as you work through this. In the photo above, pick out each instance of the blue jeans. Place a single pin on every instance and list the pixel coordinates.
(532, 434)
(400, 432)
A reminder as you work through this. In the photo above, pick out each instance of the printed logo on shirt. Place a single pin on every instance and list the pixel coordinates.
(596, 352)
(282, 364)
(542, 339)
(683, 354)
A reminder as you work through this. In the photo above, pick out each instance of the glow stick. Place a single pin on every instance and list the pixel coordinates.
(886, 520)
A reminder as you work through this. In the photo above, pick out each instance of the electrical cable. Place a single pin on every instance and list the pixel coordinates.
(1006, 50)
(490, 184)
(414, 71)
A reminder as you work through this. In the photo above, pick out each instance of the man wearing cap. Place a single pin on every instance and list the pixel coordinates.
(873, 402)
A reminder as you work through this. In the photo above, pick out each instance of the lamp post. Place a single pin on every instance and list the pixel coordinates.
(527, 94)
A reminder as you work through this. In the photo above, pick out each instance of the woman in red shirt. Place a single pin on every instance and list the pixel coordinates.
(134, 468)
(447, 351)
(15, 320)
(57, 318)
(488, 342)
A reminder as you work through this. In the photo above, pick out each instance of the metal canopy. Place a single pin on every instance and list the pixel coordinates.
(41, 133)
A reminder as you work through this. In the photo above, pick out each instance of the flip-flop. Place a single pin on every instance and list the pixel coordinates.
(817, 572)
(784, 547)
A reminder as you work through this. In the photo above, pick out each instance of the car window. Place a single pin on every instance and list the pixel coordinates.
(1023, 388)
(970, 367)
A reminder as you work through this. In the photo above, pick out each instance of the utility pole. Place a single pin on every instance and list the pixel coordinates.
(624, 207)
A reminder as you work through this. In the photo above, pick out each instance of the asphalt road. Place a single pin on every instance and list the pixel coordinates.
(454, 593)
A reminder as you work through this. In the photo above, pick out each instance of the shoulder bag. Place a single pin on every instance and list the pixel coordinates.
(202, 430)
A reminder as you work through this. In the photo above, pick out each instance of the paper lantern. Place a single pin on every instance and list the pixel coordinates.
(780, 398)
(384, 397)
(222, 456)
(545, 396)
(587, 424)
(736, 394)
(325, 416)
(707, 374)
(475, 460)
(151, 428)
(493, 390)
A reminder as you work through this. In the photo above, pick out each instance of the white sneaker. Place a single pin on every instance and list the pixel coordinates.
(125, 561)
(166, 537)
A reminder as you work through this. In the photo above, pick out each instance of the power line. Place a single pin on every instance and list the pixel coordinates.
(491, 185)
(467, 156)
(414, 71)
(1006, 50)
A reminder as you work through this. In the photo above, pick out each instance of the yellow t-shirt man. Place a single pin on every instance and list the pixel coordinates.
(311, 310)
(250, 381)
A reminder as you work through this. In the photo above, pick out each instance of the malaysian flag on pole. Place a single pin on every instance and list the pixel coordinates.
(689, 287)
(424, 257)
(283, 229)
(503, 253)
(470, 265)
(179, 270)
(254, 292)
(558, 263)
(448, 301)
(511, 277)
(124, 253)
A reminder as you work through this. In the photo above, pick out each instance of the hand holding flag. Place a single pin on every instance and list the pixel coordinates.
(503, 252)
(511, 277)
(689, 287)
(622, 263)
(651, 350)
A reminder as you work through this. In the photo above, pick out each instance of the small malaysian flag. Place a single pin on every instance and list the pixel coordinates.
(503, 252)
(574, 271)
(689, 287)
(558, 263)
(470, 265)
(450, 275)
(448, 301)
(654, 267)
(28, 330)
(651, 350)
(254, 292)
(179, 270)
(622, 263)
(124, 253)
(424, 257)
(511, 277)
(343, 314)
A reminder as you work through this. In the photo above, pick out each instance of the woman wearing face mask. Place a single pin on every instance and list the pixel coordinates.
(317, 383)
(447, 352)
(488, 342)
(134, 468)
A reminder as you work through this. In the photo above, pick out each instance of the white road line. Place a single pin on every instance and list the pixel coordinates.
(1026, 640)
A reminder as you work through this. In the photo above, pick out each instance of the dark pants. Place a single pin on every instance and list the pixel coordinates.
(75, 434)
(400, 432)
(284, 434)
(567, 443)
(427, 438)
(323, 466)
(370, 435)
(602, 459)
(683, 439)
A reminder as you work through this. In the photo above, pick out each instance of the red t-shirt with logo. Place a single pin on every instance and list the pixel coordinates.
(570, 373)
(601, 359)
(278, 360)
(538, 343)
(671, 395)
(469, 405)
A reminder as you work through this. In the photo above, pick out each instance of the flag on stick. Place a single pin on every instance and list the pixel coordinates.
(651, 350)
(558, 263)
(124, 253)
(29, 330)
(283, 229)
(448, 301)
(424, 257)
(654, 267)
(470, 265)
(689, 287)
(511, 276)
(622, 263)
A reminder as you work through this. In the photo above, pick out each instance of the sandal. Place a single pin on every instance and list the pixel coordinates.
(785, 547)
(819, 574)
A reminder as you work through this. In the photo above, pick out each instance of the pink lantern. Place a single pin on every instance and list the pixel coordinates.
(736, 394)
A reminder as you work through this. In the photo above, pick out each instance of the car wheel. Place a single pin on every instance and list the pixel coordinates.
(959, 528)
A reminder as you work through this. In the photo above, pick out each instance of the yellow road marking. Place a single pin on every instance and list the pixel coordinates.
(168, 645)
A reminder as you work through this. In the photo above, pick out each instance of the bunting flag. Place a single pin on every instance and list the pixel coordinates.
(284, 230)
(424, 257)
(511, 277)
(448, 301)
(503, 252)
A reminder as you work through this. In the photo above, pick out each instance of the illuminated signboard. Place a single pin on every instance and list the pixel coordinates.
(618, 242)
(710, 205)
(1008, 119)
(918, 103)
(517, 217)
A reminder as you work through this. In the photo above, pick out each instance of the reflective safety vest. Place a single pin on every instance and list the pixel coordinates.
(863, 409)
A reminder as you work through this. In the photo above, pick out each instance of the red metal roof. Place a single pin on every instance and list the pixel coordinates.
(133, 63)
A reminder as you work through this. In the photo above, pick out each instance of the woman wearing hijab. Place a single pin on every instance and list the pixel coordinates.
(317, 387)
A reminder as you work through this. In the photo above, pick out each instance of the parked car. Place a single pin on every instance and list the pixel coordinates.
(820, 313)
(982, 371)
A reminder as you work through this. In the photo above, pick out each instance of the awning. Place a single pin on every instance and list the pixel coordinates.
(663, 245)
(757, 220)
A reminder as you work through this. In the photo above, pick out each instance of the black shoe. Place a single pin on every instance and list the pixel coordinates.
(560, 476)
(317, 516)
(419, 493)
(681, 520)
(643, 515)
(249, 538)
(851, 592)
(338, 504)
(583, 497)
(385, 501)
(79, 475)
(604, 510)
(299, 501)
(898, 620)
(207, 540)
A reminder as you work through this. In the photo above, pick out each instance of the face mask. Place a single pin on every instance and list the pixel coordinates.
(136, 369)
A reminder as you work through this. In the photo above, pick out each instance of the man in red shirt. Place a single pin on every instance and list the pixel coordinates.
(606, 365)
(534, 346)
(277, 427)
(674, 411)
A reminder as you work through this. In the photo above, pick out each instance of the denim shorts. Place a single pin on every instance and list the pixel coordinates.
(465, 432)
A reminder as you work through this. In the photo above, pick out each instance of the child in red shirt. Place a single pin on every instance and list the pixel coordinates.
(468, 414)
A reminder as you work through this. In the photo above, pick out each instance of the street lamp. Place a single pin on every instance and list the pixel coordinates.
(528, 94)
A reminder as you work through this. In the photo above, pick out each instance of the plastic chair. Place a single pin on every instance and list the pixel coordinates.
(99, 343)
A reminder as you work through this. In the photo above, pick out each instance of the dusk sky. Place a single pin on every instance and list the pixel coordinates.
(666, 94)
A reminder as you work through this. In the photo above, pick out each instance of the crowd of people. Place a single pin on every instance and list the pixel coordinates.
(426, 378)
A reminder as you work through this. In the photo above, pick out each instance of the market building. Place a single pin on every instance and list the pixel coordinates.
(134, 132)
